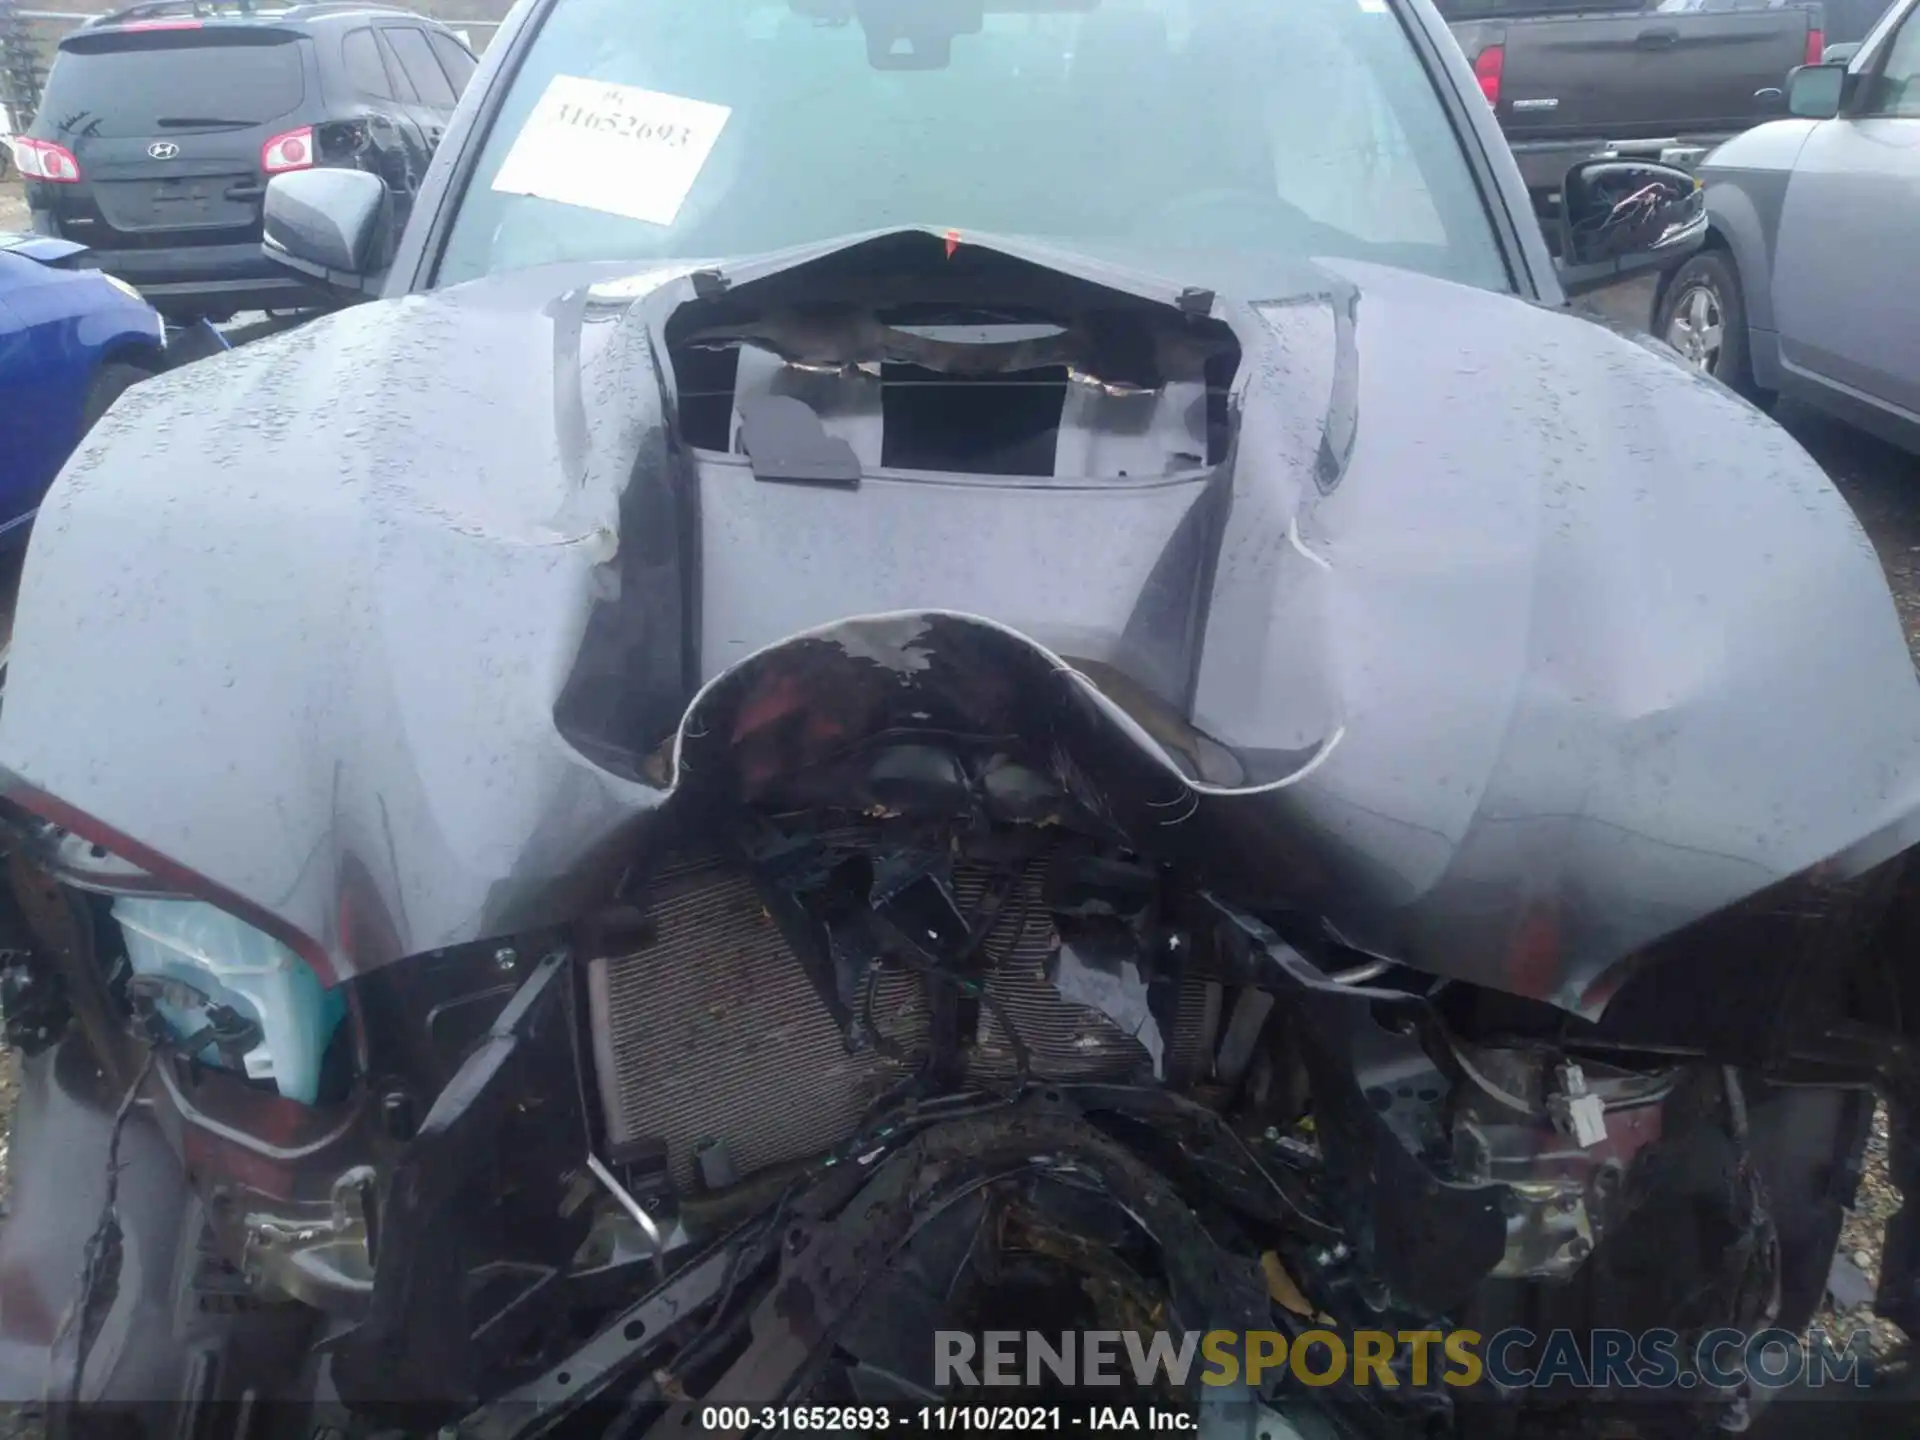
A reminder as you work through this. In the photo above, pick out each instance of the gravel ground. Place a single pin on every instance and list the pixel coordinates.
(13, 216)
(9, 1089)
(1883, 486)
(1850, 1304)
(13, 206)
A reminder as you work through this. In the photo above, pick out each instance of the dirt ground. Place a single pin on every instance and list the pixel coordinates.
(1881, 483)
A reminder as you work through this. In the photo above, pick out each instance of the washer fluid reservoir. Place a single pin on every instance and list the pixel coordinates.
(206, 957)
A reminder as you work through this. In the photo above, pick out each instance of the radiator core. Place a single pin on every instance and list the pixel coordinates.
(714, 1032)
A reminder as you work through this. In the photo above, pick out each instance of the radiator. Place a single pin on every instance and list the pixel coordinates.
(713, 1031)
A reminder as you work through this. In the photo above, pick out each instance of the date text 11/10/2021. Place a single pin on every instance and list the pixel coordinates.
(945, 1419)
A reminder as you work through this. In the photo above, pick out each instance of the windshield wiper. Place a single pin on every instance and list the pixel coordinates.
(166, 122)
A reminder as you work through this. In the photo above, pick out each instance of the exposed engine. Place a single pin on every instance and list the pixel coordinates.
(719, 1055)
(963, 1056)
(758, 1015)
(1052, 1007)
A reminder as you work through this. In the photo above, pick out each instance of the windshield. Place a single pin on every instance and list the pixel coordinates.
(661, 130)
(131, 87)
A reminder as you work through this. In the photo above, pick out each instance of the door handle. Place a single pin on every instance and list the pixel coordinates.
(1658, 38)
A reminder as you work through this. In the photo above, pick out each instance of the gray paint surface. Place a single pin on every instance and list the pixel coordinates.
(1843, 279)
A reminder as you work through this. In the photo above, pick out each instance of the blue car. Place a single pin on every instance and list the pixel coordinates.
(70, 341)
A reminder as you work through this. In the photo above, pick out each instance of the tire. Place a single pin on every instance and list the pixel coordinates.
(1703, 315)
(110, 382)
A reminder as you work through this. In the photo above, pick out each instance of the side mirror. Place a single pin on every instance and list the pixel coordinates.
(334, 227)
(1626, 217)
(1814, 92)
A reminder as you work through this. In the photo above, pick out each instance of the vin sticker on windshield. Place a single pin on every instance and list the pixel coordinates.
(614, 148)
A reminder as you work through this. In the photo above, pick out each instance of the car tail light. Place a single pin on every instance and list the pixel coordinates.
(44, 160)
(1816, 46)
(291, 151)
(1488, 66)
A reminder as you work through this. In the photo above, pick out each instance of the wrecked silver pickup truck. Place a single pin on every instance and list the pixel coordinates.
(692, 802)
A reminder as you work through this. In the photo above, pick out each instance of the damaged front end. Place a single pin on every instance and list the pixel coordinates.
(917, 822)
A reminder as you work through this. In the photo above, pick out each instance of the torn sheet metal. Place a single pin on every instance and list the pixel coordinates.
(1107, 978)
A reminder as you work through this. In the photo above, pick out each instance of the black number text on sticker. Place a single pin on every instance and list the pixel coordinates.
(654, 132)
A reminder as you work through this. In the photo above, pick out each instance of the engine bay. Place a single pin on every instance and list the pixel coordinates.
(826, 1087)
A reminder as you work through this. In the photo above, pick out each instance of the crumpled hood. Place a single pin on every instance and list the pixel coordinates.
(1491, 615)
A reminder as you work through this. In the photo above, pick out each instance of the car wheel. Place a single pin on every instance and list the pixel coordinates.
(1703, 315)
(109, 384)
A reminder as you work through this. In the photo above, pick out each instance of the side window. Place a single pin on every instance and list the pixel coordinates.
(403, 88)
(364, 69)
(454, 59)
(1896, 89)
(422, 69)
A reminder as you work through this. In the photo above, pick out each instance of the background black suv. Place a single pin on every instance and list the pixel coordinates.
(161, 125)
